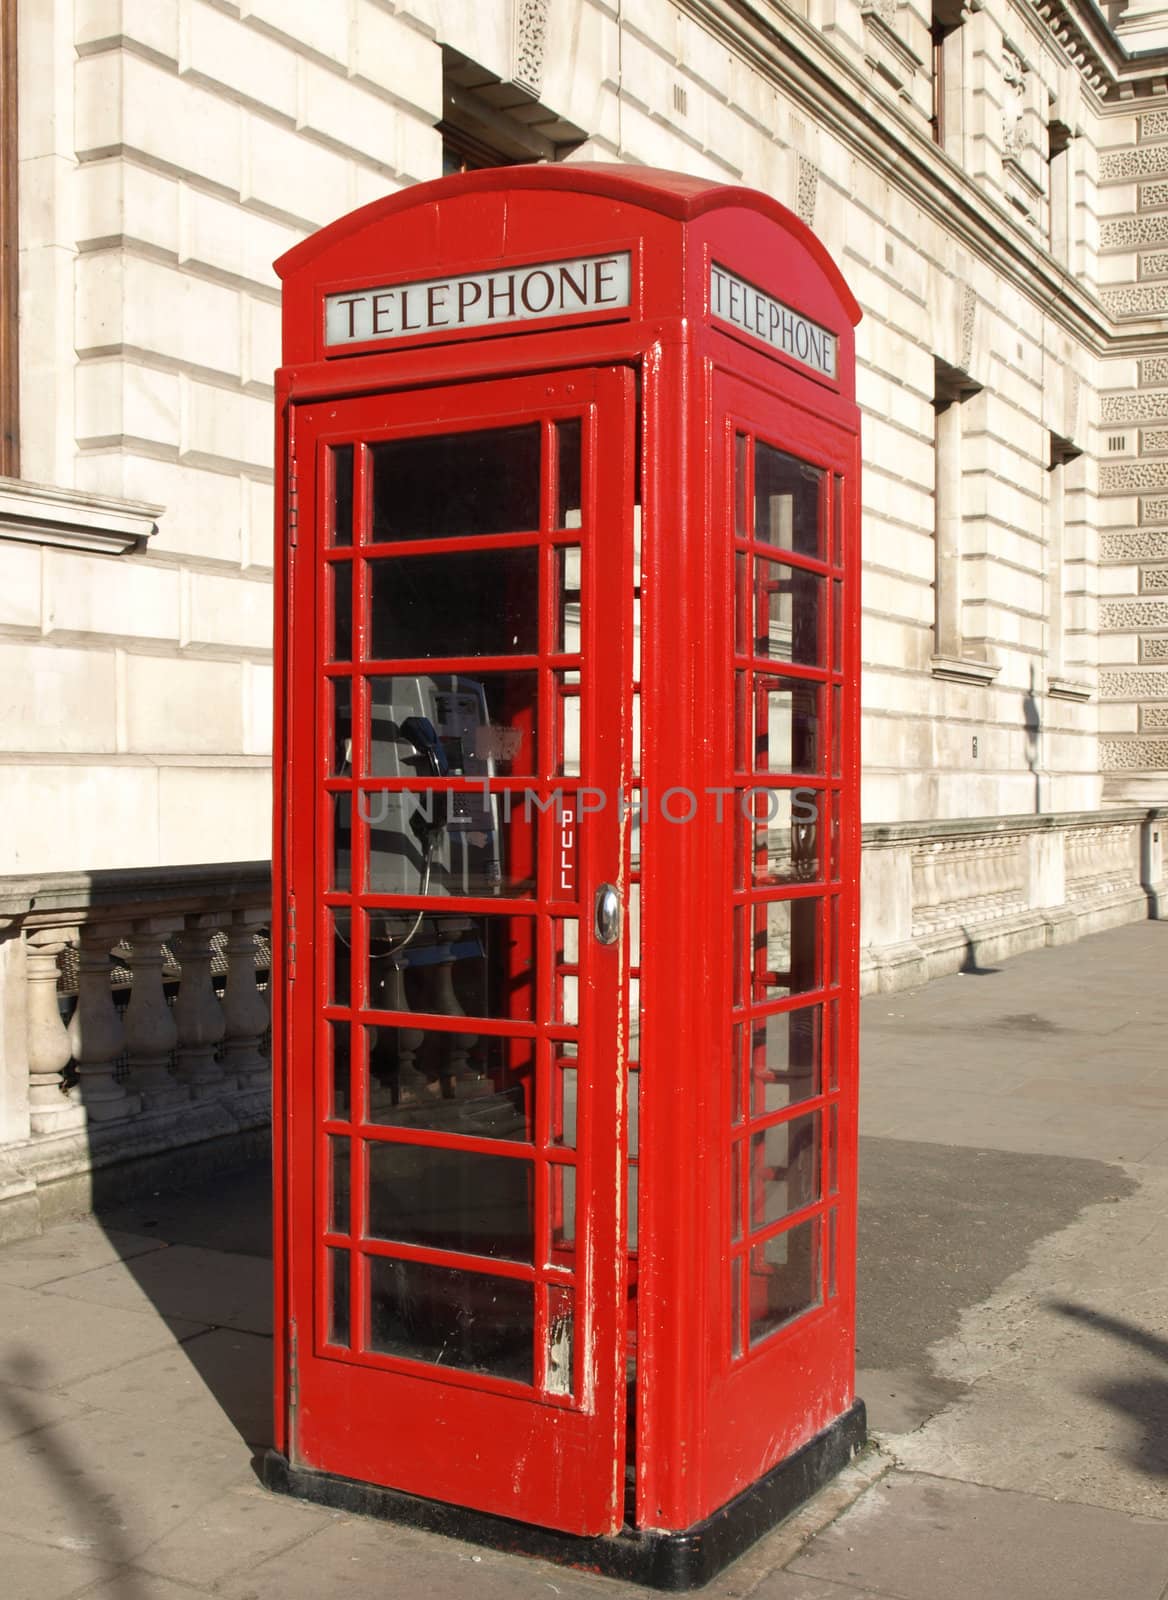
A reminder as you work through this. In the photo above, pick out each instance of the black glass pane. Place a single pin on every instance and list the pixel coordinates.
(456, 483)
(568, 501)
(469, 603)
(342, 528)
(787, 497)
(454, 966)
(460, 1200)
(342, 572)
(459, 1319)
(492, 1096)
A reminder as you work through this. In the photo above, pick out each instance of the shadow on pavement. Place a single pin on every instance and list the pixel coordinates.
(1144, 1400)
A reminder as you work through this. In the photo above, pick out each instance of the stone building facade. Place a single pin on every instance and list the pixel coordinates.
(991, 175)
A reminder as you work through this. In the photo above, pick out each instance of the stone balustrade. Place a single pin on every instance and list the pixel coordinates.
(133, 1029)
(937, 897)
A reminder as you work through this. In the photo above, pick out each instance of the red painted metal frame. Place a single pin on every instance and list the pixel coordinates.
(708, 1422)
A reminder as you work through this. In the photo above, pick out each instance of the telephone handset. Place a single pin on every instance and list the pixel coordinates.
(423, 735)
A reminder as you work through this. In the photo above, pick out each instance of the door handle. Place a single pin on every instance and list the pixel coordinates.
(607, 914)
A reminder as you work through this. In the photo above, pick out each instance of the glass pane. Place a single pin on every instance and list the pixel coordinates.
(342, 517)
(833, 1047)
(342, 740)
(452, 484)
(736, 1307)
(445, 1315)
(787, 497)
(485, 725)
(451, 1200)
(563, 1211)
(342, 806)
(566, 949)
(786, 948)
(837, 536)
(452, 966)
(568, 590)
(833, 1150)
(419, 1078)
(432, 842)
(634, 1019)
(788, 614)
(568, 502)
(741, 488)
(736, 1190)
(342, 604)
(837, 711)
(832, 1254)
(342, 1097)
(339, 1184)
(741, 603)
(787, 726)
(784, 1059)
(467, 603)
(568, 732)
(736, 1036)
(786, 836)
(338, 1269)
(784, 1278)
(835, 835)
(561, 1334)
(567, 1089)
(784, 1169)
(633, 1192)
(837, 627)
(342, 943)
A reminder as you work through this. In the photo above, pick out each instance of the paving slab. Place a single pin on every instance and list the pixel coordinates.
(233, 1533)
(28, 1576)
(46, 1342)
(218, 1382)
(67, 1249)
(110, 1485)
(208, 1286)
(919, 1537)
(23, 1411)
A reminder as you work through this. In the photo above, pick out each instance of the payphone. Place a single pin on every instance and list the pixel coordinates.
(566, 966)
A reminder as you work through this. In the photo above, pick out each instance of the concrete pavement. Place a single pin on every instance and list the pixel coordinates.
(1013, 1345)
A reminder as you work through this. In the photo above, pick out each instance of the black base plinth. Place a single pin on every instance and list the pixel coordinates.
(673, 1561)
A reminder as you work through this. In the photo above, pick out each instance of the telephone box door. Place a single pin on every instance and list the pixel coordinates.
(460, 681)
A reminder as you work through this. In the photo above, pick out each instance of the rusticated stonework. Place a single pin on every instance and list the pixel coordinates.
(1133, 755)
(1153, 441)
(1153, 196)
(1117, 477)
(1154, 719)
(1129, 683)
(1130, 616)
(1150, 301)
(1153, 510)
(1153, 649)
(1154, 580)
(1127, 232)
(1145, 405)
(1154, 266)
(1154, 370)
(1146, 162)
(1154, 125)
(1150, 544)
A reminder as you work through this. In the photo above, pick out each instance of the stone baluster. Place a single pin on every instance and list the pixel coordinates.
(245, 1007)
(198, 1015)
(51, 1109)
(151, 1034)
(96, 1031)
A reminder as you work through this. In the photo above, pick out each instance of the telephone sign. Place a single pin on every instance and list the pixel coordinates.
(567, 823)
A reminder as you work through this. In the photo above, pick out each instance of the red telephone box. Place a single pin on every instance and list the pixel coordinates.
(568, 850)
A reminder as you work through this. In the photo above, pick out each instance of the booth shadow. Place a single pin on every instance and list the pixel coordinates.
(214, 1269)
(1143, 1400)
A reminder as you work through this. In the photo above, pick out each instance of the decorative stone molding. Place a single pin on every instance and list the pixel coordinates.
(1154, 125)
(1087, 49)
(1015, 70)
(1153, 441)
(1129, 683)
(968, 325)
(1136, 301)
(1150, 544)
(1155, 265)
(1154, 580)
(1153, 649)
(1154, 719)
(1144, 161)
(531, 20)
(1133, 755)
(807, 191)
(1153, 370)
(1118, 477)
(1129, 616)
(1142, 405)
(1153, 510)
(1153, 196)
(959, 670)
(1068, 689)
(38, 513)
